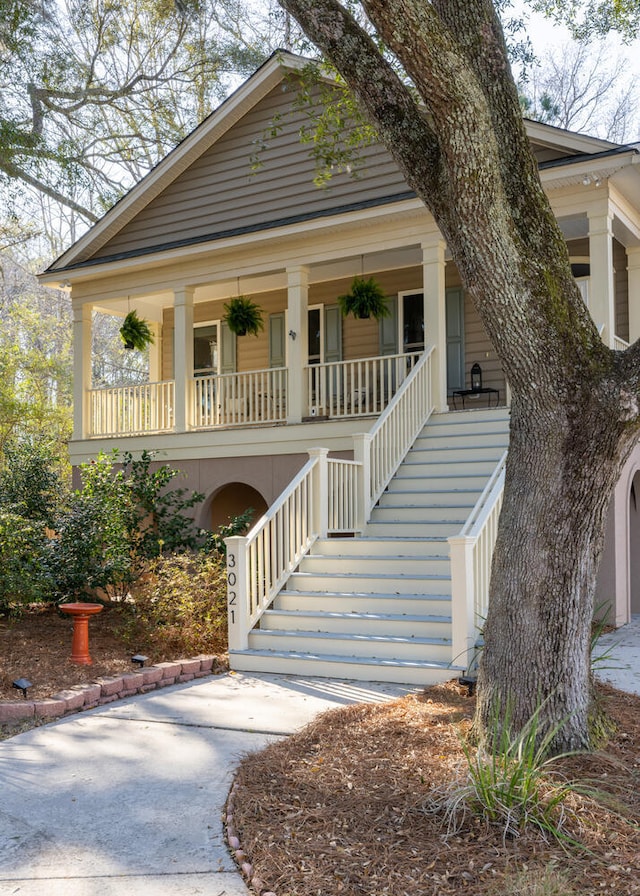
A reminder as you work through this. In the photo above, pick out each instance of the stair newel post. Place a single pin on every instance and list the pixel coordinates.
(320, 491)
(463, 622)
(238, 598)
(362, 454)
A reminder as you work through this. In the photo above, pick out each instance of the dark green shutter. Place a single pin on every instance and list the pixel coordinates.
(277, 342)
(455, 338)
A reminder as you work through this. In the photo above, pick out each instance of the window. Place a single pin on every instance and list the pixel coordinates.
(206, 357)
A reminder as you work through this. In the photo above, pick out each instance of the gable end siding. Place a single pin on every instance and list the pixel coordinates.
(219, 192)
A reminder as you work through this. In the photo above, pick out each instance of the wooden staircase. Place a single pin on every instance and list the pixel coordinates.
(378, 607)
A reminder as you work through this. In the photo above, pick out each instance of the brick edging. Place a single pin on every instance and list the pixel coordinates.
(238, 854)
(107, 690)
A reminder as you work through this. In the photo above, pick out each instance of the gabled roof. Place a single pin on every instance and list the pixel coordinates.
(553, 146)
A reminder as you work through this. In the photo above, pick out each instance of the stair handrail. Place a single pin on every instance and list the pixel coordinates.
(471, 554)
(321, 498)
(384, 447)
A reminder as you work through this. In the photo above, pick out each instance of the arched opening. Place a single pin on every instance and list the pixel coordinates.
(232, 500)
(634, 544)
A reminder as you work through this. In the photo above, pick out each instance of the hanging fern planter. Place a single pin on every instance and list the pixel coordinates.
(135, 332)
(243, 316)
(364, 300)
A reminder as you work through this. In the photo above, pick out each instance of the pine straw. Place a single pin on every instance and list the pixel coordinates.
(340, 808)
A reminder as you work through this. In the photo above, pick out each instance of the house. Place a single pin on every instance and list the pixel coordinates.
(374, 466)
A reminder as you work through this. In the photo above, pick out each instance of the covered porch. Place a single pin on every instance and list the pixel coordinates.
(309, 363)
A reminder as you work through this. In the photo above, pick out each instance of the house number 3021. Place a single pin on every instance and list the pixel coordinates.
(231, 582)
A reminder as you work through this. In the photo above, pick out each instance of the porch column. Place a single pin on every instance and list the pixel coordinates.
(435, 327)
(81, 368)
(183, 356)
(601, 287)
(298, 344)
(633, 272)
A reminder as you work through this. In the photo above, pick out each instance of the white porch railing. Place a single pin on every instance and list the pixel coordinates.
(319, 500)
(127, 410)
(382, 450)
(471, 555)
(231, 399)
(356, 388)
(620, 344)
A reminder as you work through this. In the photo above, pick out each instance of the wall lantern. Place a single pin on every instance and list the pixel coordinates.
(476, 378)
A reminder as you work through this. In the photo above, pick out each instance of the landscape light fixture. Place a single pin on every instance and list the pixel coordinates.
(139, 659)
(469, 682)
(21, 684)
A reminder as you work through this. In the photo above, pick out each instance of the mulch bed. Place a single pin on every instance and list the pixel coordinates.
(345, 807)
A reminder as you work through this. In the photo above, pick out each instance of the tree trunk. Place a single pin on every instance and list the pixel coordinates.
(575, 402)
(538, 629)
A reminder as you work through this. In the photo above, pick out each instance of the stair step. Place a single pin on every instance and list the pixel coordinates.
(409, 478)
(428, 454)
(363, 583)
(474, 419)
(352, 645)
(378, 526)
(365, 563)
(433, 513)
(415, 498)
(396, 624)
(297, 662)
(355, 547)
(459, 438)
(458, 470)
(365, 602)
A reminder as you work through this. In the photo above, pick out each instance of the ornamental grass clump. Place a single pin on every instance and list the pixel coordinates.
(512, 784)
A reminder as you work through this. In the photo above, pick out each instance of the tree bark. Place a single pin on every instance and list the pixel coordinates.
(575, 402)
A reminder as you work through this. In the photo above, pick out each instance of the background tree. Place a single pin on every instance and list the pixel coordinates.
(94, 92)
(574, 415)
(35, 357)
(595, 17)
(581, 87)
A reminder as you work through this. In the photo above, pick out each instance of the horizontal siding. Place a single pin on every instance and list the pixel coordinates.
(360, 338)
(218, 192)
(478, 349)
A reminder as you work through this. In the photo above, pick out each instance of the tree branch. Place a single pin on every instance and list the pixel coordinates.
(19, 174)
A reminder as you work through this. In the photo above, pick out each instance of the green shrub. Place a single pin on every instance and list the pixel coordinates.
(25, 573)
(31, 482)
(125, 514)
(180, 604)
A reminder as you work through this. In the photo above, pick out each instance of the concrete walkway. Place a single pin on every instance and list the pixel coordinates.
(128, 798)
(618, 657)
